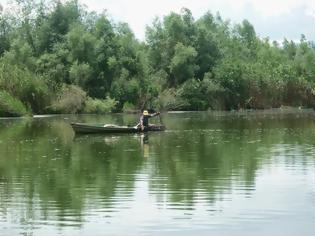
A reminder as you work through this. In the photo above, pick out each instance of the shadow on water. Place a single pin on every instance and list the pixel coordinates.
(51, 175)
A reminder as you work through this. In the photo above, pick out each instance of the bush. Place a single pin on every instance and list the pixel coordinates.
(70, 100)
(80, 74)
(191, 92)
(125, 90)
(212, 92)
(129, 107)
(168, 100)
(99, 106)
(25, 86)
(10, 106)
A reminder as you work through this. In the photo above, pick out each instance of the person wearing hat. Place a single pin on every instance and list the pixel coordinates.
(144, 119)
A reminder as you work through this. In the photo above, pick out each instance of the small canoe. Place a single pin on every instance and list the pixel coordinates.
(84, 128)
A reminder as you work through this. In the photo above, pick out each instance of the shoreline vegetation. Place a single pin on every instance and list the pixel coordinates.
(58, 57)
(283, 110)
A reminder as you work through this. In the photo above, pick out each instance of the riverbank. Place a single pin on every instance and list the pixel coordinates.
(281, 110)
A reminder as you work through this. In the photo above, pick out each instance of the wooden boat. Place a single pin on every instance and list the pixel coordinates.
(84, 128)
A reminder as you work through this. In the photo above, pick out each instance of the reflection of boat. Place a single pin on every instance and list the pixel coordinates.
(84, 128)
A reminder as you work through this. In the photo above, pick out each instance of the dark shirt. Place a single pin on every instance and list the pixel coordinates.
(145, 120)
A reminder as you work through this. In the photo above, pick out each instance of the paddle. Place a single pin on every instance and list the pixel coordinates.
(160, 116)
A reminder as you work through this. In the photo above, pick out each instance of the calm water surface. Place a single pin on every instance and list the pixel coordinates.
(210, 173)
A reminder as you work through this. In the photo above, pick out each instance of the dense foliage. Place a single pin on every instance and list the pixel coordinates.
(57, 57)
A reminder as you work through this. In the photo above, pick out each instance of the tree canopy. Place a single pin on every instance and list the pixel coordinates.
(53, 51)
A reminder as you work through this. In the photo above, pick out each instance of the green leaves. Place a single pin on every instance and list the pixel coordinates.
(80, 74)
(183, 64)
(100, 106)
(81, 45)
(22, 84)
(63, 50)
(10, 106)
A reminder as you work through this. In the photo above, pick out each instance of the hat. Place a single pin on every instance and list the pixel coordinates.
(145, 113)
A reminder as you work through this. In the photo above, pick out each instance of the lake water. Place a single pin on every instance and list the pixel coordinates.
(210, 173)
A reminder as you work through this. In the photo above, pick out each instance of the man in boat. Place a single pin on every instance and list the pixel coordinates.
(144, 119)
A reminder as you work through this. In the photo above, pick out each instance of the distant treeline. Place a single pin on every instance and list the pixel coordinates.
(57, 57)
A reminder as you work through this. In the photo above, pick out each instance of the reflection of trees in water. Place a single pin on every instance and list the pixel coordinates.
(226, 154)
(200, 162)
(108, 165)
(65, 175)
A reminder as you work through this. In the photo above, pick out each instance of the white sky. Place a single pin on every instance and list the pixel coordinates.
(274, 18)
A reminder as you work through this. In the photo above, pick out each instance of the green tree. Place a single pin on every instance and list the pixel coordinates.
(183, 64)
